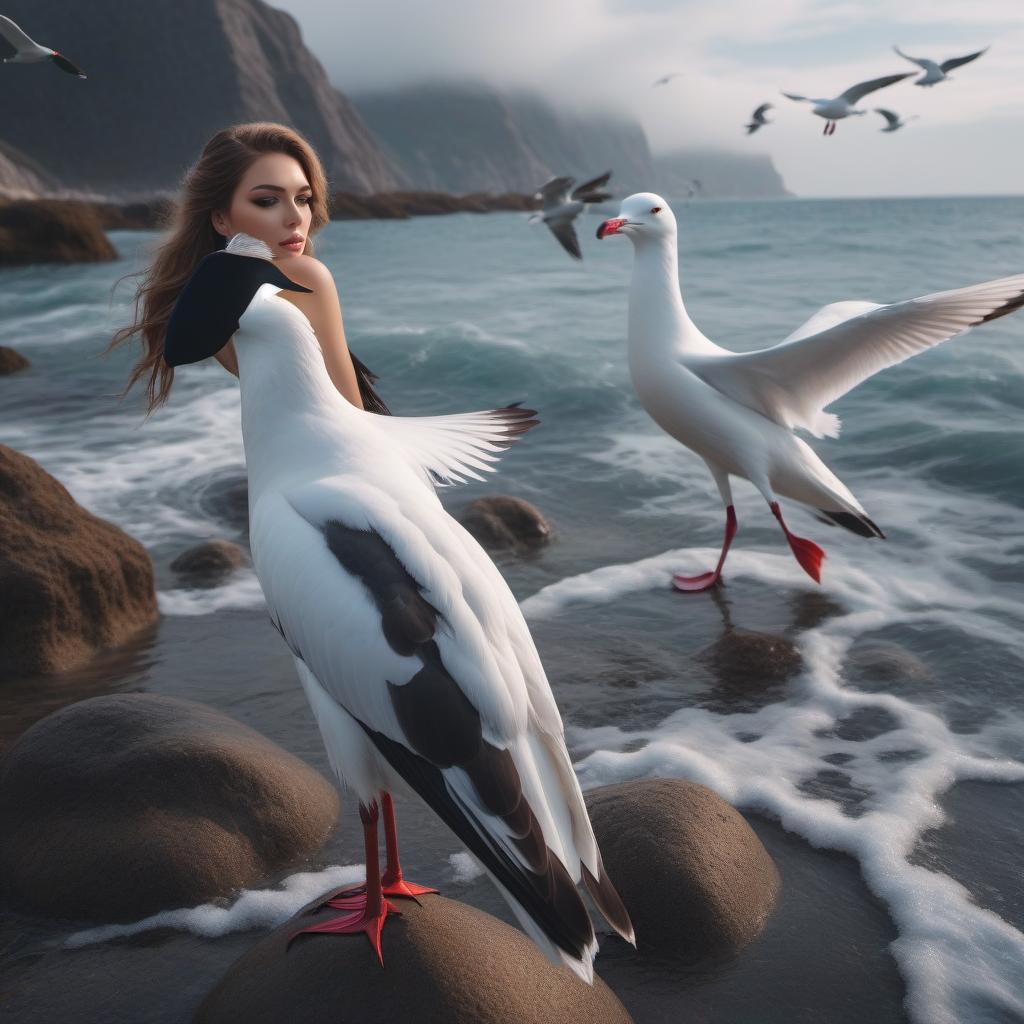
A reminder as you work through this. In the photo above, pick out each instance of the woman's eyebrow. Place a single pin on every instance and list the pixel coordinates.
(277, 188)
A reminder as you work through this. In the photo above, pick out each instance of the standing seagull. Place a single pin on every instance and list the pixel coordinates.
(30, 52)
(934, 72)
(561, 207)
(757, 118)
(413, 653)
(893, 119)
(843, 105)
(737, 411)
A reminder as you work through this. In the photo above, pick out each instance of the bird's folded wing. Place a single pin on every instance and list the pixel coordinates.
(795, 381)
(859, 91)
(956, 62)
(14, 35)
(407, 626)
(450, 448)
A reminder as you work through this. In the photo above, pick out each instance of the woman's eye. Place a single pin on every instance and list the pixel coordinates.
(268, 201)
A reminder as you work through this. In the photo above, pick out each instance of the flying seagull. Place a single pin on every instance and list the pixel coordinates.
(757, 118)
(665, 79)
(893, 119)
(30, 52)
(738, 411)
(561, 205)
(935, 72)
(843, 105)
(415, 658)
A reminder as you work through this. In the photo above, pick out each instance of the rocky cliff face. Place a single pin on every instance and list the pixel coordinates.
(145, 111)
(472, 138)
(712, 174)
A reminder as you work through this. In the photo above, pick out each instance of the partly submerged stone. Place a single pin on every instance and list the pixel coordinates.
(694, 876)
(444, 963)
(120, 806)
(500, 521)
(11, 361)
(209, 562)
(52, 231)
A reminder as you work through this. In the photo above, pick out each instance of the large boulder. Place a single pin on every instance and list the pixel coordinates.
(444, 963)
(694, 876)
(120, 806)
(70, 582)
(11, 361)
(52, 231)
(499, 521)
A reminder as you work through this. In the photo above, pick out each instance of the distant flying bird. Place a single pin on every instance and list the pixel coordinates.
(665, 79)
(757, 118)
(843, 105)
(30, 52)
(894, 119)
(738, 410)
(934, 72)
(561, 207)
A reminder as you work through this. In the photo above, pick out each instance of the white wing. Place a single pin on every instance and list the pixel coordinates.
(859, 91)
(844, 344)
(16, 37)
(913, 60)
(956, 62)
(450, 448)
(406, 624)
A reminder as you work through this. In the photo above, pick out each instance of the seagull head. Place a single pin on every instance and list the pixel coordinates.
(642, 215)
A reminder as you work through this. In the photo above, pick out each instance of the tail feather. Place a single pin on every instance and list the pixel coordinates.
(855, 522)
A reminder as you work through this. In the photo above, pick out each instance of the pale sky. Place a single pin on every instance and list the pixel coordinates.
(735, 54)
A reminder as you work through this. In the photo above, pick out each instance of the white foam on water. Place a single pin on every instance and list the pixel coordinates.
(254, 908)
(242, 591)
(959, 961)
(465, 867)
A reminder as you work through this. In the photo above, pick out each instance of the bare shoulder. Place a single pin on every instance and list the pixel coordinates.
(309, 272)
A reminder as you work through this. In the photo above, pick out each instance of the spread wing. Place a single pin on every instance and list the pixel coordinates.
(843, 345)
(555, 192)
(592, 191)
(15, 36)
(892, 118)
(859, 91)
(957, 62)
(564, 231)
(913, 60)
(758, 114)
(408, 629)
(800, 99)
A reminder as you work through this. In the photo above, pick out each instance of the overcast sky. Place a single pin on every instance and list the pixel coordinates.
(735, 54)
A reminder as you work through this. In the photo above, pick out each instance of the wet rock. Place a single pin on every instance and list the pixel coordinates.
(11, 361)
(51, 231)
(226, 497)
(875, 661)
(743, 659)
(209, 563)
(694, 876)
(120, 806)
(70, 583)
(499, 521)
(444, 963)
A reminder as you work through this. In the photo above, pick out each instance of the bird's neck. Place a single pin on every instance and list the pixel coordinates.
(657, 317)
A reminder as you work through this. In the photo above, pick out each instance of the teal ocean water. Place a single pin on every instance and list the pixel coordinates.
(885, 771)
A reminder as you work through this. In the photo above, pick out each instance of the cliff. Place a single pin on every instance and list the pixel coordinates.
(717, 174)
(145, 111)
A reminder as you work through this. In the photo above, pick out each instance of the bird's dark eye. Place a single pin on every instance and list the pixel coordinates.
(655, 209)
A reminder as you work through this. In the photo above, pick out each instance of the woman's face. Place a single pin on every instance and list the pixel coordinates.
(271, 203)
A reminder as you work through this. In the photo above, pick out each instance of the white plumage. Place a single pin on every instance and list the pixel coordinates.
(738, 410)
(382, 596)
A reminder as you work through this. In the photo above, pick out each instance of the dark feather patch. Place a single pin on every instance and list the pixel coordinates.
(855, 523)
(608, 901)
(1008, 307)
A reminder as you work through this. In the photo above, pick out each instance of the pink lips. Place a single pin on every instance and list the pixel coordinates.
(295, 243)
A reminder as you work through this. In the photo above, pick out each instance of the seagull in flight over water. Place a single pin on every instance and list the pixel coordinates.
(843, 105)
(935, 72)
(562, 204)
(28, 51)
(738, 411)
(757, 118)
(893, 119)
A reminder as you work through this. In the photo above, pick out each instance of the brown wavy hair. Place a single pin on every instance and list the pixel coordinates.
(208, 186)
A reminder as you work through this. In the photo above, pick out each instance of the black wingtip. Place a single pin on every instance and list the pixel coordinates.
(1007, 307)
(854, 522)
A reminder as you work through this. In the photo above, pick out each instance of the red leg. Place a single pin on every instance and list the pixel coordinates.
(807, 553)
(705, 580)
(367, 907)
(393, 882)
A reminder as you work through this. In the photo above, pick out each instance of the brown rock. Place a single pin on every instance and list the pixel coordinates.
(500, 521)
(70, 582)
(11, 361)
(52, 231)
(209, 562)
(444, 963)
(694, 876)
(742, 659)
(120, 806)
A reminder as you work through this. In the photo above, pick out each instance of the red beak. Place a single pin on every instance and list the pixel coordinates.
(610, 227)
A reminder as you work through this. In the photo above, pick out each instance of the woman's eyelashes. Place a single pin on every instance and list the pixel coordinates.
(267, 201)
